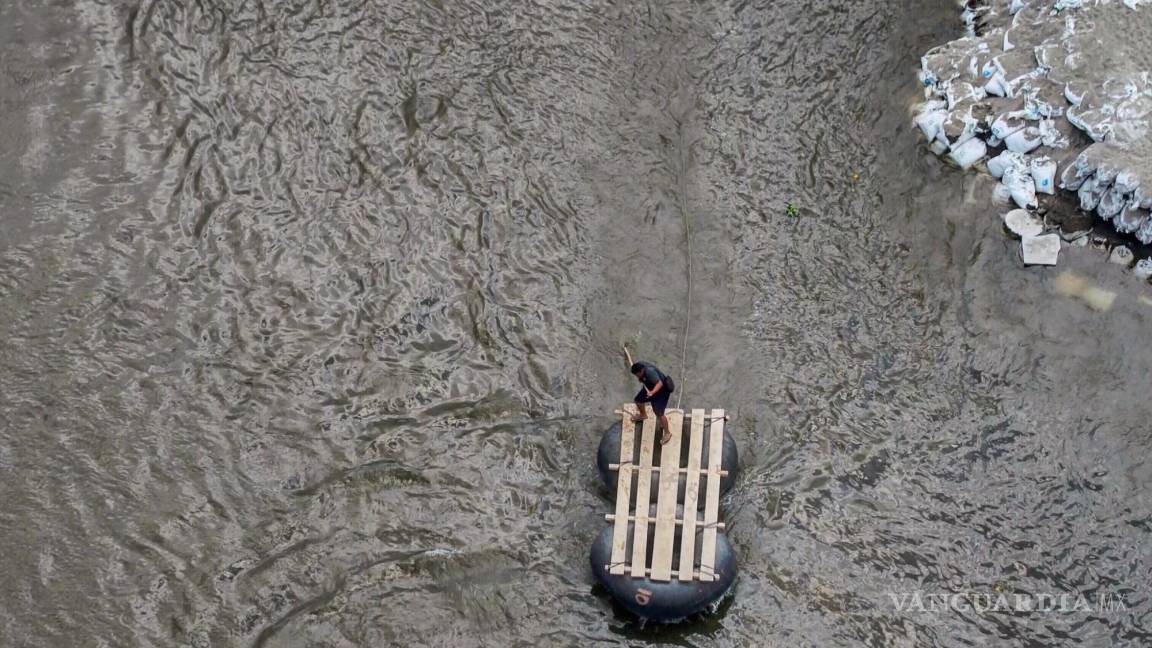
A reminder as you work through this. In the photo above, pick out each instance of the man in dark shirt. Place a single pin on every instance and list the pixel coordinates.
(658, 386)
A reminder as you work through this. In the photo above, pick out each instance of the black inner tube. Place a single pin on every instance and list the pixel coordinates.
(664, 601)
(609, 453)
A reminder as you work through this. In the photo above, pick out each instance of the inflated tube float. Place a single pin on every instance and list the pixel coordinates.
(665, 557)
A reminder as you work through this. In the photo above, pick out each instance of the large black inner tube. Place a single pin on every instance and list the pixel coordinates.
(609, 453)
(659, 600)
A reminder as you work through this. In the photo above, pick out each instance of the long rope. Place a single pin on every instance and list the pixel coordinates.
(682, 173)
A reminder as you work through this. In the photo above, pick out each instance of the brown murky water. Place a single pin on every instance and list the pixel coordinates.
(311, 314)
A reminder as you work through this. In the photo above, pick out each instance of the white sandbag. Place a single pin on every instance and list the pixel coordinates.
(969, 153)
(1001, 163)
(1005, 125)
(1036, 109)
(1074, 95)
(1126, 181)
(1106, 174)
(930, 123)
(1043, 171)
(962, 91)
(1048, 54)
(995, 83)
(1111, 203)
(1020, 185)
(927, 79)
(1089, 198)
(1143, 269)
(1130, 218)
(991, 68)
(1051, 136)
(938, 147)
(1143, 197)
(997, 166)
(997, 86)
(1144, 233)
(969, 19)
(955, 129)
(1024, 141)
(1074, 175)
(1096, 123)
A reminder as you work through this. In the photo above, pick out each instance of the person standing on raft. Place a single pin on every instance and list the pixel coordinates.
(658, 387)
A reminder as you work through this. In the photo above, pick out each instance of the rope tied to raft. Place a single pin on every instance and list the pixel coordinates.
(681, 203)
(681, 173)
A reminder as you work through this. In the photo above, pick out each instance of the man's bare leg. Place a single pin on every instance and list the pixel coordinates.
(667, 436)
(641, 416)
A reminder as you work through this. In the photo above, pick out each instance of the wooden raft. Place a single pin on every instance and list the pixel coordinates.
(667, 476)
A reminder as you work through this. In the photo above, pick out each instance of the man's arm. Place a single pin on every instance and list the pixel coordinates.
(655, 390)
(652, 374)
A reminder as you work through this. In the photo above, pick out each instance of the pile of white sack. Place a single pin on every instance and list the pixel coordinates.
(1048, 95)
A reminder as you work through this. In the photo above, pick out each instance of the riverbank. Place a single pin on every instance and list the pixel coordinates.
(1053, 99)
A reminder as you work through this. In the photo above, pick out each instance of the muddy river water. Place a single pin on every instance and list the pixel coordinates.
(311, 313)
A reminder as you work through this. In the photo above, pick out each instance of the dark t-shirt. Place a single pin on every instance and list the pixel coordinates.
(652, 375)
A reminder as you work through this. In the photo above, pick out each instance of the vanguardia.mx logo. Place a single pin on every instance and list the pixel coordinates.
(984, 602)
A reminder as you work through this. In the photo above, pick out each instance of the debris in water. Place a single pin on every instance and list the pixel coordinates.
(1143, 269)
(1070, 284)
(1023, 223)
(1121, 255)
(1076, 236)
(1040, 250)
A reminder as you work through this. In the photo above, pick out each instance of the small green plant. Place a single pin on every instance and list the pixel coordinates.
(792, 210)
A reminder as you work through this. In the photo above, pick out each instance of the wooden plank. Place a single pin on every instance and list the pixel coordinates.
(627, 433)
(619, 565)
(681, 469)
(611, 517)
(643, 491)
(712, 501)
(676, 574)
(691, 496)
(666, 503)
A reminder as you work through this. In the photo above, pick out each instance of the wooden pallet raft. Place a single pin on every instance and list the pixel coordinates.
(657, 564)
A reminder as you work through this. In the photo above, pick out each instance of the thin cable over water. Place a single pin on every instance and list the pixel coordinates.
(681, 172)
